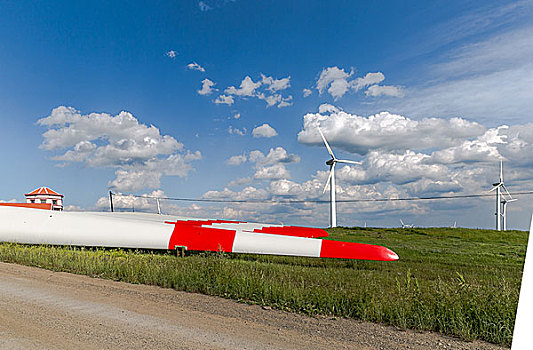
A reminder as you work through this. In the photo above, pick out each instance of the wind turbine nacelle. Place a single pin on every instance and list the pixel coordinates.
(330, 162)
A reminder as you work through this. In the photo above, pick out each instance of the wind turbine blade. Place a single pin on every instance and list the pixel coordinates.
(495, 187)
(329, 178)
(501, 170)
(348, 161)
(327, 144)
(503, 186)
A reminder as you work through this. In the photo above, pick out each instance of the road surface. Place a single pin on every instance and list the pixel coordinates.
(41, 309)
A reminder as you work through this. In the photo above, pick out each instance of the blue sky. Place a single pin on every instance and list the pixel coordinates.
(417, 91)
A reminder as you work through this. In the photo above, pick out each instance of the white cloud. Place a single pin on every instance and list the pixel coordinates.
(483, 148)
(368, 79)
(271, 100)
(240, 181)
(285, 102)
(140, 154)
(335, 80)
(171, 54)
(195, 66)
(276, 171)
(237, 116)
(384, 90)
(327, 108)
(223, 99)
(267, 89)
(247, 88)
(248, 193)
(236, 131)
(338, 83)
(307, 92)
(275, 155)
(204, 7)
(237, 160)
(264, 130)
(385, 131)
(276, 84)
(207, 87)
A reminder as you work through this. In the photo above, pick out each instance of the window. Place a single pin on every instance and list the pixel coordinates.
(54, 201)
(43, 200)
(32, 200)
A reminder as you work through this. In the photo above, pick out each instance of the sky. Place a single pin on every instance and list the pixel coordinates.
(221, 99)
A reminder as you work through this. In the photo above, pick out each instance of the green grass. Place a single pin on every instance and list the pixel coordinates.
(459, 282)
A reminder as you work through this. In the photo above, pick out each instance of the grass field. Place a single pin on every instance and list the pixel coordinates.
(459, 282)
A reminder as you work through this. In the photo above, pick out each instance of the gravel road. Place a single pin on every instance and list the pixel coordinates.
(41, 309)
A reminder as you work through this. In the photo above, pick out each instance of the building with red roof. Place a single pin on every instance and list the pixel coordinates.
(45, 195)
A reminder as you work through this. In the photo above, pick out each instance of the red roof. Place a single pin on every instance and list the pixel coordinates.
(43, 190)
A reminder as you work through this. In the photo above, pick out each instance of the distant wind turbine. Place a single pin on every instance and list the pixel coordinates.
(331, 181)
(501, 201)
(406, 225)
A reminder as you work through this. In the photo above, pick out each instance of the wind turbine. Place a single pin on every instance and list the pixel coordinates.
(501, 201)
(406, 225)
(331, 180)
(504, 214)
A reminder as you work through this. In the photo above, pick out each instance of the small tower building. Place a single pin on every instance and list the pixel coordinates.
(45, 195)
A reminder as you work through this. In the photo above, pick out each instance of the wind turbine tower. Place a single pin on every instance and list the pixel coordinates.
(501, 201)
(331, 181)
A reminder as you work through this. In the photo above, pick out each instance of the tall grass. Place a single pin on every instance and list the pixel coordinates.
(454, 281)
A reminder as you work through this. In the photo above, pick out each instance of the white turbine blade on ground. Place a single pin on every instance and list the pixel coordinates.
(327, 144)
(348, 161)
(329, 177)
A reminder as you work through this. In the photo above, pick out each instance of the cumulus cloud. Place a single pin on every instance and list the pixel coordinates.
(338, 82)
(247, 88)
(275, 155)
(367, 80)
(237, 160)
(223, 99)
(171, 54)
(267, 89)
(207, 87)
(248, 193)
(483, 148)
(195, 66)
(276, 84)
(264, 130)
(140, 153)
(334, 80)
(306, 92)
(384, 131)
(276, 171)
(236, 131)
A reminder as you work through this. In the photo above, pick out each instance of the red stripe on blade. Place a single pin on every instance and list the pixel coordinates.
(348, 250)
(295, 231)
(192, 235)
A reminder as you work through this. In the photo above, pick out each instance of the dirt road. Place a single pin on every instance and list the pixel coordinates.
(41, 309)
